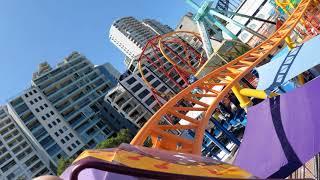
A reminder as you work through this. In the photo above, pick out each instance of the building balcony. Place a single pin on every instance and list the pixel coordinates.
(75, 122)
(64, 75)
(56, 77)
(11, 135)
(7, 130)
(14, 142)
(74, 92)
(84, 127)
(15, 103)
(41, 80)
(69, 91)
(70, 116)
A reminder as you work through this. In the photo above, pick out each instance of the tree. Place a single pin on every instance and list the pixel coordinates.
(63, 163)
(123, 136)
(21, 178)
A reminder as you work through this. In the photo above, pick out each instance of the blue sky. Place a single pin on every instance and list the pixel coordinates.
(32, 31)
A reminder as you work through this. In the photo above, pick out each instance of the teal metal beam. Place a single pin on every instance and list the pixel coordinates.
(207, 46)
(214, 22)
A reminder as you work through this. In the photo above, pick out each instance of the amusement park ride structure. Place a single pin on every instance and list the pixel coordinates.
(202, 95)
(214, 87)
(182, 68)
(214, 19)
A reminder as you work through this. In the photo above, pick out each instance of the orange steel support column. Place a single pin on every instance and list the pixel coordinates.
(214, 87)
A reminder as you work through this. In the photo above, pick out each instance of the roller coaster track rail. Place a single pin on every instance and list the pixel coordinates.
(226, 77)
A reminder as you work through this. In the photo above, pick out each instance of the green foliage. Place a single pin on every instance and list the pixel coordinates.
(63, 163)
(21, 178)
(123, 136)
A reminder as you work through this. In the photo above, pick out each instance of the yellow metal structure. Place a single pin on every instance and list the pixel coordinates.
(283, 5)
(244, 100)
(260, 94)
(300, 79)
(290, 43)
(253, 93)
(212, 87)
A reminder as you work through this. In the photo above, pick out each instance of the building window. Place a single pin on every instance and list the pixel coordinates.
(26, 95)
(143, 94)
(54, 123)
(156, 83)
(62, 140)
(67, 138)
(78, 143)
(35, 100)
(43, 118)
(60, 130)
(131, 80)
(69, 148)
(136, 87)
(37, 110)
(65, 128)
(51, 112)
(57, 134)
(59, 156)
(149, 78)
(46, 105)
(30, 93)
(50, 126)
(145, 71)
(35, 91)
(71, 135)
(47, 115)
(58, 120)
(31, 102)
(150, 100)
(163, 89)
(73, 145)
(41, 107)
(40, 98)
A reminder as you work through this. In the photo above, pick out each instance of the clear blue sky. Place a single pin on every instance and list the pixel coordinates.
(32, 31)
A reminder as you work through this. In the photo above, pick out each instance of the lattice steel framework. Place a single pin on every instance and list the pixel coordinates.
(214, 87)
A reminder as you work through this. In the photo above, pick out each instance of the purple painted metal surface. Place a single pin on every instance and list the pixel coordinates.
(85, 174)
(282, 133)
(95, 174)
(126, 164)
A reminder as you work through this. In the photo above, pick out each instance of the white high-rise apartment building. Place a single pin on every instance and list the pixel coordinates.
(131, 35)
(19, 158)
(74, 89)
(44, 125)
(156, 26)
(63, 111)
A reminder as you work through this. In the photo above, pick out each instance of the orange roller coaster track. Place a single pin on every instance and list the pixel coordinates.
(225, 77)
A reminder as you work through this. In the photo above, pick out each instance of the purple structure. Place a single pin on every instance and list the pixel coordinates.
(134, 162)
(282, 133)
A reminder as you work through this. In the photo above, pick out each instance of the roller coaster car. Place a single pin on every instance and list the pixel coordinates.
(132, 162)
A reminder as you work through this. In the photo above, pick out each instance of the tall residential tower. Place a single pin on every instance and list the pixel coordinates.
(63, 110)
(19, 158)
(131, 35)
